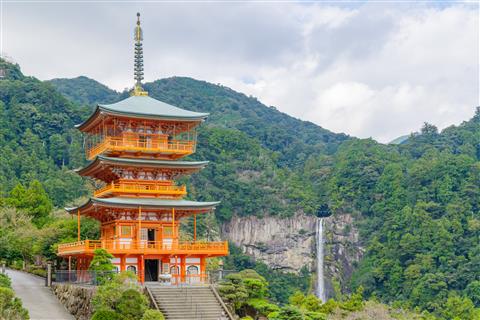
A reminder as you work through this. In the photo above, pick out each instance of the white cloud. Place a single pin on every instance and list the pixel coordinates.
(372, 70)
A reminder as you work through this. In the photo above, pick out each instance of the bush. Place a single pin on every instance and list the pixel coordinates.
(39, 272)
(287, 313)
(110, 292)
(122, 298)
(5, 281)
(102, 264)
(10, 306)
(263, 306)
(132, 304)
(106, 314)
(355, 301)
(152, 315)
(310, 315)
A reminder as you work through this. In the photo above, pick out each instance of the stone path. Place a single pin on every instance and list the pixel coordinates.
(39, 300)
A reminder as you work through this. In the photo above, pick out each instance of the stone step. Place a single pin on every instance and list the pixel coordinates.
(182, 303)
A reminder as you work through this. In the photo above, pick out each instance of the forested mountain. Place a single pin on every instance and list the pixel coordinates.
(85, 91)
(417, 204)
(37, 138)
(418, 209)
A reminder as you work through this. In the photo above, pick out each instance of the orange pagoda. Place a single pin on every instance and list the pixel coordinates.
(135, 147)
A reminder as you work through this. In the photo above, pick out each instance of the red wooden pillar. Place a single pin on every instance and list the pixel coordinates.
(183, 270)
(141, 268)
(203, 271)
(122, 263)
(177, 275)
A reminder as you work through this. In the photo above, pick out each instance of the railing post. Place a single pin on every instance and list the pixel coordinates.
(49, 274)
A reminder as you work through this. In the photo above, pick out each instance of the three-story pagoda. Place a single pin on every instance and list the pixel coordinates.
(135, 147)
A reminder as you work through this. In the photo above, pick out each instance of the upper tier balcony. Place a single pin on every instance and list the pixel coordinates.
(139, 188)
(153, 147)
(145, 247)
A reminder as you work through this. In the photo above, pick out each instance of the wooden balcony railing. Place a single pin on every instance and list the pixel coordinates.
(125, 246)
(141, 188)
(138, 145)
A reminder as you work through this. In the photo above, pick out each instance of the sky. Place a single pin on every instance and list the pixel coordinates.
(369, 69)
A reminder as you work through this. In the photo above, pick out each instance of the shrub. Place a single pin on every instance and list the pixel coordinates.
(106, 314)
(110, 292)
(102, 264)
(39, 272)
(152, 315)
(310, 315)
(122, 298)
(233, 290)
(10, 306)
(355, 301)
(262, 306)
(132, 304)
(5, 281)
(287, 313)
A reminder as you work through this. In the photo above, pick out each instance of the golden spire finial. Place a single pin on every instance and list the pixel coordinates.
(138, 67)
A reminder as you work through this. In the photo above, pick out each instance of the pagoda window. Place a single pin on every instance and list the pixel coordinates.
(192, 270)
(167, 232)
(132, 268)
(127, 174)
(126, 231)
(174, 270)
(149, 176)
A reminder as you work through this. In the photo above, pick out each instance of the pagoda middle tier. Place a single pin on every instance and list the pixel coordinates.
(140, 177)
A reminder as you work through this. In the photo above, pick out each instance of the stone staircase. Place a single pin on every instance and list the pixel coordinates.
(188, 302)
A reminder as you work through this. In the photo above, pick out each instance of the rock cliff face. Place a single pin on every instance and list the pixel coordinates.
(290, 243)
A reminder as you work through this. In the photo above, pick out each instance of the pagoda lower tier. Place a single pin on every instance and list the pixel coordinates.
(143, 234)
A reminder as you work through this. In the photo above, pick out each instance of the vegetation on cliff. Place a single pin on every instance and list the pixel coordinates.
(419, 210)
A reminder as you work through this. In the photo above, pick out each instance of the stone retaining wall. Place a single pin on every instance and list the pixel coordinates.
(76, 299)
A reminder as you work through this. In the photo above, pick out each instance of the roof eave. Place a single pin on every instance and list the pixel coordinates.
(90, 119)
(199, 117)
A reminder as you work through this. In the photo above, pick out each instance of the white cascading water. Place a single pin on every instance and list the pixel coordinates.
(320, 279)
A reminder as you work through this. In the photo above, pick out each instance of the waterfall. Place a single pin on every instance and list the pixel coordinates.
(320, 255)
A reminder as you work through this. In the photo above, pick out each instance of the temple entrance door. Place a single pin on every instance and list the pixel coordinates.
(151, 270)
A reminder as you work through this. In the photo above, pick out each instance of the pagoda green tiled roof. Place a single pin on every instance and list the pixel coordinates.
(154, 162)
(102, 163)
(146, 203)
(145, 107)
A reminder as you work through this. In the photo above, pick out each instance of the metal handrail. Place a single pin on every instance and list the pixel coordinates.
(152, 298)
